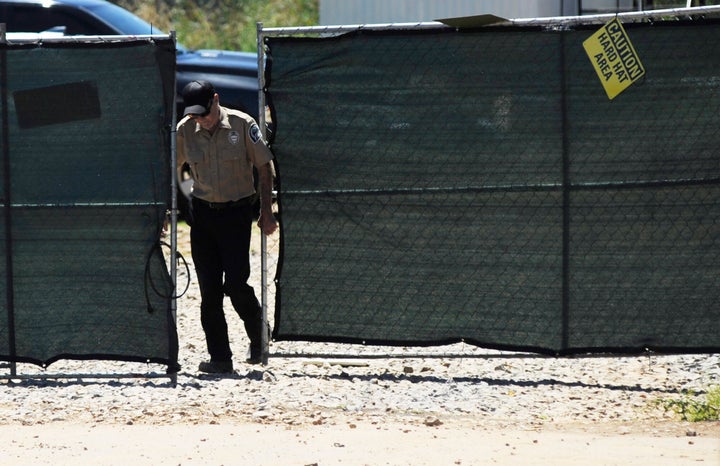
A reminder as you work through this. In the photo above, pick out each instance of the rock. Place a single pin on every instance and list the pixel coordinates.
(433, 422)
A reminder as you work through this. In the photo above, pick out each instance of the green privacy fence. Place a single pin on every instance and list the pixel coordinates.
(440, 185)
(85, 183)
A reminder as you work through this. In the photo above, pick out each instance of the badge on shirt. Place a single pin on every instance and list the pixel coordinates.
(255, 133)
(233, 137)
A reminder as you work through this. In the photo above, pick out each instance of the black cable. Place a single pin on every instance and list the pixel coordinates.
(149, 279)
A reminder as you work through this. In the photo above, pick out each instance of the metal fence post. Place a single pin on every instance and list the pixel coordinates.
(263, 238)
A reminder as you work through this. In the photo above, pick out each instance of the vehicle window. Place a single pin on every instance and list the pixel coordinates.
(37, 19)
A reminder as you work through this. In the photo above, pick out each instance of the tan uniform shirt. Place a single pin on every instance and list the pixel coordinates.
(221, 163)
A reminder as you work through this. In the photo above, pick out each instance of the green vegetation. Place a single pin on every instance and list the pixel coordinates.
(222, 24)
(690, 408)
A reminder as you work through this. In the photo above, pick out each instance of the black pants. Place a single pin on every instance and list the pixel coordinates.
(220, 241)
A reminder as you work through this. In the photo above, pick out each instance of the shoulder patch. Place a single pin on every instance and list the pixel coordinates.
(254, 133)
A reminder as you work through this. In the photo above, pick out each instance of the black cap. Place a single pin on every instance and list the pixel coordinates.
(198, 97)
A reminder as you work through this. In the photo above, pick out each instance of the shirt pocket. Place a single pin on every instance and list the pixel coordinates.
(230, 162)
(196, 161)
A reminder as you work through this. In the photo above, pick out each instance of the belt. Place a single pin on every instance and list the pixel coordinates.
(225, 205)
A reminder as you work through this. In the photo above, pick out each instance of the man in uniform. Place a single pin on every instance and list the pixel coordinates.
(221, 146)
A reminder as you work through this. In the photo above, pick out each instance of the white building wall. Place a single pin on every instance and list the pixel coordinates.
(337, 12)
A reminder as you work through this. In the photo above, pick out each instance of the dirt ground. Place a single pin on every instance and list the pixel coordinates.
(459, 442)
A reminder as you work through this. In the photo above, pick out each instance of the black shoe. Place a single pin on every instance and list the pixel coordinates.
(254, 360)
(216, 367)
(173, 368)
(254, 354)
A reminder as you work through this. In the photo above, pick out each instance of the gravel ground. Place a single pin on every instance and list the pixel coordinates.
(294, 391)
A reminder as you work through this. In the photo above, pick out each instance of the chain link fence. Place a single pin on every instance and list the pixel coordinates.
(85, 182)
(439, 185)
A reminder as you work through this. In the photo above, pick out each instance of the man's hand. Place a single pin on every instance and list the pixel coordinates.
(166, 222)
(267, 223)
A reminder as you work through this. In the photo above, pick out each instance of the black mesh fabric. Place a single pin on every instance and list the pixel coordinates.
(478, 185)
(85, 187)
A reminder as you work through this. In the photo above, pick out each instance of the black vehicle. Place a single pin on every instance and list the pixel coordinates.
(234, 74)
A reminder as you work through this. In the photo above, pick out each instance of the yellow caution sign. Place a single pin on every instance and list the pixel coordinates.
(614, 58)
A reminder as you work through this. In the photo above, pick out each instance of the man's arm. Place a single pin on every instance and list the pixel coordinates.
(267, 222)
(179, 154)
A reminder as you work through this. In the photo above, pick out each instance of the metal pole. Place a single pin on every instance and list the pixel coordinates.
(263, 238)
(23, 38)
(173, 203)
(173, 197)
(547, 22)
(9, 296)
(566, 185)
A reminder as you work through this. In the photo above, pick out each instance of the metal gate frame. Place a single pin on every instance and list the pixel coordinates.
(559, 22)
(39, 38)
